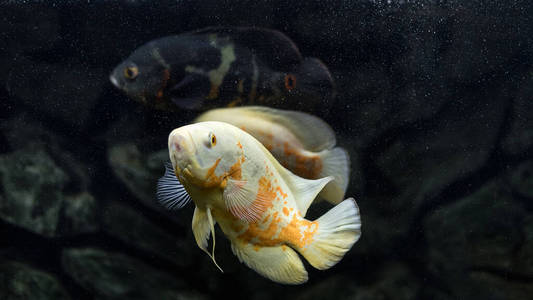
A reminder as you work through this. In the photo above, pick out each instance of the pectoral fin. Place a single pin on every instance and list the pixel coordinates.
(243, 201)
(281, 264)
(190, 92)
(202, 225)
(170, 192)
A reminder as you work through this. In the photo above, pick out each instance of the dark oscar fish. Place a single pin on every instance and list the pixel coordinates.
(224, 66)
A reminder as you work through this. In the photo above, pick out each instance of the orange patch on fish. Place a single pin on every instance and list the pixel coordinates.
(164, 82)
(235, 102)
(266, 138)
(283, 195)
(266, 192)
(210, 178)
(265, 220)
(240, 86)
(237, 227)
(235, 172)
(254, 231)
(298, 232)
(285, 211)
(304, 166)
(213, 92)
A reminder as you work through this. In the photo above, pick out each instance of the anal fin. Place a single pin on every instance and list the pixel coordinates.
(280, 264)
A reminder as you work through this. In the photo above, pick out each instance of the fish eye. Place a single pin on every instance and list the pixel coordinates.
(131, 72)
(290, 82)
(212, 140)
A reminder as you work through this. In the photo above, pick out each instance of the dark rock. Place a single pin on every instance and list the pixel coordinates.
(387, 67)
(454, 147)
(56, 90)
(402, 62)
(380, 235)
(80, 214)
(127, 128)
(524, 254)
(23, 130)
(32, 190)
(33, 195)
(133, 228)
(423, 161)
(139, 172)
(116, 276)
(474, 242)
(521, 179)
(392, 281)
(496, 286)
(18, 281)
(520, 136)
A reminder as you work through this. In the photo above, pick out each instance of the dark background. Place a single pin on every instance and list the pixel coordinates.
(435, 105)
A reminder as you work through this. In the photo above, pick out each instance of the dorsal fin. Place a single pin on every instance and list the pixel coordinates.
(271, 46)
(304, 190)
(314, 134)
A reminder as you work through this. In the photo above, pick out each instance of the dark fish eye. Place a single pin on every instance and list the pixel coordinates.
(290, 82)
(212, 140)
(131, 72)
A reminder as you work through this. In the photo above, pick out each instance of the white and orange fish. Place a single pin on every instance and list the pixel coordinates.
(301, 142)
(259, 205)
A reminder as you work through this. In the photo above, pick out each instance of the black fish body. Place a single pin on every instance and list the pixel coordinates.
(224, 66)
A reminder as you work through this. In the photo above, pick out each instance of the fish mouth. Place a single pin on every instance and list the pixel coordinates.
(114, 80)
(184, 173)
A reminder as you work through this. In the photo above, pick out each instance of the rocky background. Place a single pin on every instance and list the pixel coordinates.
(435, 105)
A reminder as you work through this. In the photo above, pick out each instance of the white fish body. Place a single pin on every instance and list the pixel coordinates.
(300, 142)
(259, 205)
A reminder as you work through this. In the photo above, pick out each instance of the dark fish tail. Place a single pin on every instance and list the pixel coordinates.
(313, 77)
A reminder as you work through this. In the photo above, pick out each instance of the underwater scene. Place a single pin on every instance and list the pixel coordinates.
(273, 149)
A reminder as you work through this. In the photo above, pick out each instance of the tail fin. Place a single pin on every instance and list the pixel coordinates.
(314, 79)
(338, 230)
(336, 163)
